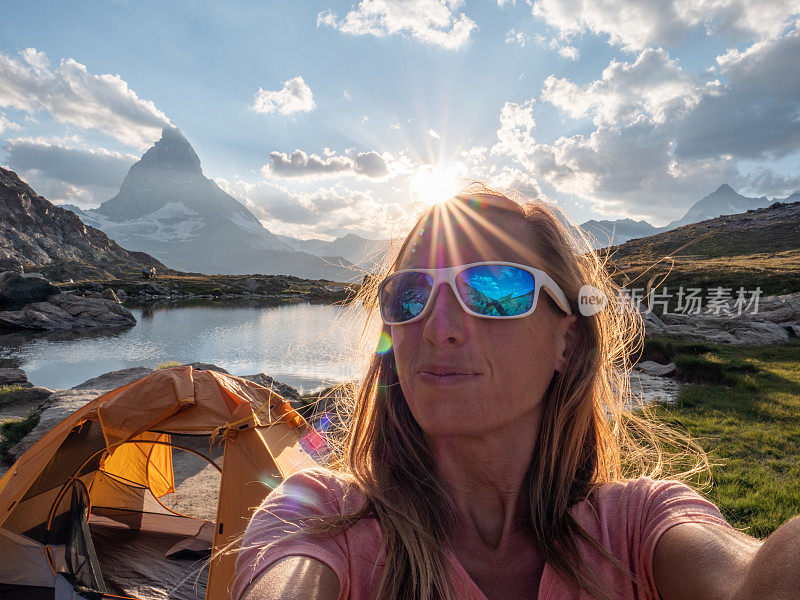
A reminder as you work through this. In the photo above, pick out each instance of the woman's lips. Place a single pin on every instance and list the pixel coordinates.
(445, 375)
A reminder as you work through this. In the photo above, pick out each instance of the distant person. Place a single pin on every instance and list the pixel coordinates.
(490, 454)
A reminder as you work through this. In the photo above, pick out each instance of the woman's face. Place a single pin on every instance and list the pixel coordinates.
(465, 375)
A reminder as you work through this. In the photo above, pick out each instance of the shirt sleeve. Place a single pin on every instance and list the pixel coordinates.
(664, 504)
(310, 492)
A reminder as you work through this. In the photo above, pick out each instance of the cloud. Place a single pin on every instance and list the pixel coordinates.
(514, 180)
(637, 24)
(747, 105)
(323, 212)
(515, 136)
(433, 134)
(653, 85)
(54, 160)
(756, 114)
(365, 164)
(294, 96)
(569, 52)
(6, 125)
(663, 132)
(765, 181)
(623, 169)
(516, 37)
(432, 22)
(73, 95)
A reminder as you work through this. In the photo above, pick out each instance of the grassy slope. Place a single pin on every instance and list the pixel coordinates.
(759, 248)
(749, 425)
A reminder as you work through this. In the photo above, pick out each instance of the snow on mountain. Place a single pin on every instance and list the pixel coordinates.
(168, 208)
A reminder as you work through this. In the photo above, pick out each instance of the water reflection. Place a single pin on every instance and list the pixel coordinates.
(305, 345)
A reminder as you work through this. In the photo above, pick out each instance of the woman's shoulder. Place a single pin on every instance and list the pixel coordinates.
(318, 486)
(646, 501)
(642, 489)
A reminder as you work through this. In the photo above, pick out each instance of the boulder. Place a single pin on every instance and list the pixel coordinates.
(16, 403)
(24, 288)
(149, 289)
(329, 292)
(771, 324)
(742, 329)
(286, 391)
(646, 388)
(653, 368)
(201, 366)
(782, 309)
(11, 376)
(67, 311)
(9, 264)
(109, 294)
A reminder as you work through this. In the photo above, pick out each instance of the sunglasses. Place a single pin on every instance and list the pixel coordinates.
(491, 289)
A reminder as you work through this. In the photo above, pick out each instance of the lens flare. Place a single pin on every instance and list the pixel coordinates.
(384, 343)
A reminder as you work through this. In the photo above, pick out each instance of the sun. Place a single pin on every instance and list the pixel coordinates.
(432, 184)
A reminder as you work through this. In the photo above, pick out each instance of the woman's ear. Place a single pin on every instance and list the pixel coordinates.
(566, 335)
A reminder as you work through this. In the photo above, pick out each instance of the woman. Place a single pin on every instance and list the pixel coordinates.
(485, 453)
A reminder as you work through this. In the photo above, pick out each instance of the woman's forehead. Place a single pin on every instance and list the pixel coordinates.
(455, 240)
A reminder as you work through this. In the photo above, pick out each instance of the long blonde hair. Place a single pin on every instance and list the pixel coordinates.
(589, 435)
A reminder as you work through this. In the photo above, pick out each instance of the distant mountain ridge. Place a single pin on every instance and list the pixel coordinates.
(723, 201)
(167, 207)
(38, 236)
(768, 230)
(355, 249)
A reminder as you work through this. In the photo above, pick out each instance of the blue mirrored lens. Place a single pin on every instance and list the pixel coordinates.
(496, 290)
(404, 296)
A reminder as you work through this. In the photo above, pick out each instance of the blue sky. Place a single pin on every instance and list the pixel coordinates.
(334, 117)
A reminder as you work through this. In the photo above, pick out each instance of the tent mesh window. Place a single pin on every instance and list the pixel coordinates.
(72, 532)
(160, 547)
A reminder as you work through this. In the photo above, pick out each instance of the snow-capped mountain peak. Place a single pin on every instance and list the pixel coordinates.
(168, 208)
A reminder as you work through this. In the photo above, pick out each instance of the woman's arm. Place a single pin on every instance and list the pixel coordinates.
(295, 577)
(708, 562)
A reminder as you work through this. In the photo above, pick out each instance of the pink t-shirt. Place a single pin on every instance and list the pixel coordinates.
(627, 518)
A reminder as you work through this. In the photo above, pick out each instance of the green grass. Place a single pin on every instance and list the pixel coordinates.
(744, 409)
(12, 432)
(8, 393)
(168, 364)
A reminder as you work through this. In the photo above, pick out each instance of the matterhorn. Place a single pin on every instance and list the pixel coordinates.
(168, 208)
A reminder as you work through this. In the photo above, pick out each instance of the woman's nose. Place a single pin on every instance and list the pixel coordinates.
(445, 324)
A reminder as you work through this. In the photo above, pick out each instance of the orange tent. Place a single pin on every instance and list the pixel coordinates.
(89, 511)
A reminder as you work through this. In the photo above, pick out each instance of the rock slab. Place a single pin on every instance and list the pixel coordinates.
(67, 311)
(12, 376)
(24, 288)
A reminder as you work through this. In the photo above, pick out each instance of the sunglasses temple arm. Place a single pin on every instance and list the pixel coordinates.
(555, 293)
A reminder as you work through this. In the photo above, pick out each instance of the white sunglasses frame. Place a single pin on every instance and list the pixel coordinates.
(448, 275)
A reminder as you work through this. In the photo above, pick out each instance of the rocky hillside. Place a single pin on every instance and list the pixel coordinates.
(36, 235)
(772, 229)
(757, 248)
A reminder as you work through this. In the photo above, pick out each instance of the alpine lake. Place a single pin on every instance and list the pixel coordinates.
(308, 346)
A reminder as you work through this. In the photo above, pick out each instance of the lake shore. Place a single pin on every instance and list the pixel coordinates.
(191, 286)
